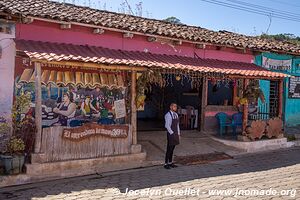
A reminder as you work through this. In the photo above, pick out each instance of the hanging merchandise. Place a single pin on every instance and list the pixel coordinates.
(140, 104)
(144, 82)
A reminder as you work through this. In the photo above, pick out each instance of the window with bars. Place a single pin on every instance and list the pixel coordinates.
(274, 98)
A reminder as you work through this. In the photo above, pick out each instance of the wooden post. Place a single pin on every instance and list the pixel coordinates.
(280, 99)
(38, 107)
(133, 108)
(235, 95)
(245, 108)
(203, 103)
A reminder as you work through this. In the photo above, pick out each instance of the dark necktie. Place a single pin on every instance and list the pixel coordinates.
(174, 116)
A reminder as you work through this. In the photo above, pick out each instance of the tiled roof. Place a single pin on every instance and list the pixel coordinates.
(71, 13)
(68, 52)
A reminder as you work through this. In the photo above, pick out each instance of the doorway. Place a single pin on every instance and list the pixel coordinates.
(274, 98)
(158, 100)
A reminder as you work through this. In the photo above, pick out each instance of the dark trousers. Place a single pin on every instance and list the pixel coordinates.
(169, 153)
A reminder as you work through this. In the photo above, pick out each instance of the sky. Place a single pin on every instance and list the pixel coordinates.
(211, 16)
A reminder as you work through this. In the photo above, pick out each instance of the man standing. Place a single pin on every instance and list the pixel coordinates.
(172, 126)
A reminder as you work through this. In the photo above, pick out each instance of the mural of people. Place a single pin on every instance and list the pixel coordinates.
(66, 110)
(87, 108)
(75, 105)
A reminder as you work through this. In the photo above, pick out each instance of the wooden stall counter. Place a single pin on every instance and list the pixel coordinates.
(91, 140)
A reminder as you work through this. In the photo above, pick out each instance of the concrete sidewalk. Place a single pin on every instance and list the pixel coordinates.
(277, 170)
(192, 143)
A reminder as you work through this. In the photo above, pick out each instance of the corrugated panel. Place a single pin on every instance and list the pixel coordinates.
(65, 78)
(67, 52)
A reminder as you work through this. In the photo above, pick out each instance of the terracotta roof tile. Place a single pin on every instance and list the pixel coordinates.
(72, 13)
(68, 52)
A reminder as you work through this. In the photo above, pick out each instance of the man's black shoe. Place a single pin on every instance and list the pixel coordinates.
(173, 165)
(167, 166)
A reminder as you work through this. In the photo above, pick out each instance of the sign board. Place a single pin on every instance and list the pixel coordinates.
(120, 108)
(280, 65)
(294, 87)
(89, 130)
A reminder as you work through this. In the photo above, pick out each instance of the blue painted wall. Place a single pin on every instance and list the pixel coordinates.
(291, 106)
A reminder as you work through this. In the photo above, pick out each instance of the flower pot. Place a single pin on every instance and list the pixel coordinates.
(13, 164)
(17, 163)
(7, 162)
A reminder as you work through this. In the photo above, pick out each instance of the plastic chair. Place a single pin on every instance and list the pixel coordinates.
(237, 121)
(223, 121)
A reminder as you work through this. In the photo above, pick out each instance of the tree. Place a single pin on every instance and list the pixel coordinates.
(284, 37)
(173, 20)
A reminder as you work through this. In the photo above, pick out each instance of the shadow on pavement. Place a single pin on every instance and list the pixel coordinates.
(157, 176)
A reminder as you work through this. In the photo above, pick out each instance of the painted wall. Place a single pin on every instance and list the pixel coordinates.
(7, 63)
(79, 35)
(39, 31)
(291, 106)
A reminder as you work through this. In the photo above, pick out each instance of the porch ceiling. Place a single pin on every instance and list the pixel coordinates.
(55, 52)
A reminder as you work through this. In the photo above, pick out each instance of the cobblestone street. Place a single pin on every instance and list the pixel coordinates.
(275, 175)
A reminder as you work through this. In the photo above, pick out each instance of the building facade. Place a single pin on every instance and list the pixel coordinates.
(287, 64)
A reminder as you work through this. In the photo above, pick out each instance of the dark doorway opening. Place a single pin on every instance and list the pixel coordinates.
(158, 100)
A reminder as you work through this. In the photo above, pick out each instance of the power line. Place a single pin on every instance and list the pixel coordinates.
(264, 8)
(253, 10)
(285, 3)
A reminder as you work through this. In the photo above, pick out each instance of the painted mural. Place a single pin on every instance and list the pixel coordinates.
(76, 103)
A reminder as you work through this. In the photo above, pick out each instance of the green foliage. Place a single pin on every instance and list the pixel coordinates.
(23, 125)
(253, 92)
(284, 37)
(291, 137)
(15, 146)
(20, 107)
(173, 20)
(4, 128)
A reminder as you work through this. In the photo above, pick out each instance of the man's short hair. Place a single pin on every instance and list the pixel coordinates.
(173, 103)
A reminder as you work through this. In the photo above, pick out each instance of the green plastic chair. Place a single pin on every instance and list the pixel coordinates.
(237, 121)
(223, 121)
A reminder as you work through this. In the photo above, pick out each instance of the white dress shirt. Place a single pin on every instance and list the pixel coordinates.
(168, 121)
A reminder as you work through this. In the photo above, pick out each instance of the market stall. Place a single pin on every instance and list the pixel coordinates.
(81, 109)
(85, 98)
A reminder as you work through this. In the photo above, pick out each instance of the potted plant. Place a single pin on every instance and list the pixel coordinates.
(14, 158)
(5, 132)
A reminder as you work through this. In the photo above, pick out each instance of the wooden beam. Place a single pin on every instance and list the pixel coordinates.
(28, 20)
(245, 108)
(255, 77)
(91, 65)
(280, 99)
(38, 107)
(98, 31)
(65, 26)
(235, 94)
(128, 35)
(133, 108)
(203, 103)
